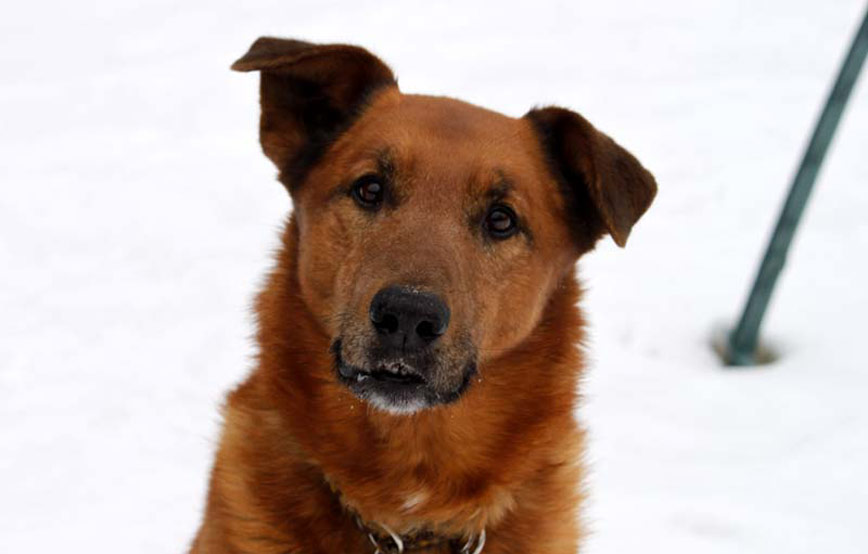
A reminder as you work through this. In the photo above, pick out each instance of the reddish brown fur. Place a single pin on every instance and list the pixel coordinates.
(299, 453)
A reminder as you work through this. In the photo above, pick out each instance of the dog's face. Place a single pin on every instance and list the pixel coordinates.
(429, 236)
(431, 232)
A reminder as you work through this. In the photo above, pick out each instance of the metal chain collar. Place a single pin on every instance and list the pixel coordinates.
(394, 544)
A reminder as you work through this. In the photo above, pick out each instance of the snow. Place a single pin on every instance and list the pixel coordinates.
(138, 216)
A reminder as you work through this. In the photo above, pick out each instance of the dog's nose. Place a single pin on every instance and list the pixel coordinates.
(407, 319)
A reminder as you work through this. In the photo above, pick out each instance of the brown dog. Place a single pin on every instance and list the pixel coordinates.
(418, 359)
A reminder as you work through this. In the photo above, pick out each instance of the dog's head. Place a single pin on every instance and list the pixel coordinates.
(431, 232)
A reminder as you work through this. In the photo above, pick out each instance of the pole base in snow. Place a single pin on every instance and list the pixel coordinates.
(721, 343)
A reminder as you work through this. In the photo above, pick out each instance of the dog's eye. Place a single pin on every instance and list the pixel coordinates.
(368, 192)
(501, 222)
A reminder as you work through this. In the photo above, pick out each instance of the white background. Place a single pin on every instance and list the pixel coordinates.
(137, 217)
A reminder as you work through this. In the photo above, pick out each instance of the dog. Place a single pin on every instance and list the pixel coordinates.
(419, 336)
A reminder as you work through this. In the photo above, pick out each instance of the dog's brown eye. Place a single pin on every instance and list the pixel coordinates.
(501, 222)
(368, 191)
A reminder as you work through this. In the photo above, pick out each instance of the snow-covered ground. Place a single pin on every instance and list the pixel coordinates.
(137, 217)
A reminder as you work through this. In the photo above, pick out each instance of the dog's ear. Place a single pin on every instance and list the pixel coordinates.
(607, 188)
(309, 94)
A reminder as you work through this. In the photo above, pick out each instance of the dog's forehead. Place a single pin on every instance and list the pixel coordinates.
(433, 130)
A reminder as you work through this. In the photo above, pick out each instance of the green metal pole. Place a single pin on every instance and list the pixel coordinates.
(743, 339)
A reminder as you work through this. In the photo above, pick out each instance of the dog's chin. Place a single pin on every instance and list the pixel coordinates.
(395, 386)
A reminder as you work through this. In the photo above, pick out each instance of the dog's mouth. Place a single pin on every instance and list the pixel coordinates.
(394, 387)
(401, 385)
(396, 372)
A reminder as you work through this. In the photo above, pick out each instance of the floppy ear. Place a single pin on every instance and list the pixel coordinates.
(309, 93)
(608, 189)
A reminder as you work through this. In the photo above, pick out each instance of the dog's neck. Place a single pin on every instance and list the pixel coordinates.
(431, 470)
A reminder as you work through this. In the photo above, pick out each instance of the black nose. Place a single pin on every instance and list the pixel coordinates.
(407, 319)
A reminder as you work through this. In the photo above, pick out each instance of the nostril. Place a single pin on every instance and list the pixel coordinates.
(387, 323)
(428, 331)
